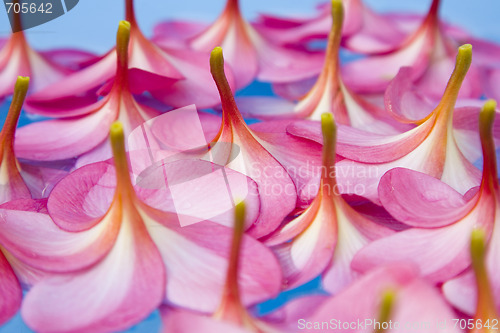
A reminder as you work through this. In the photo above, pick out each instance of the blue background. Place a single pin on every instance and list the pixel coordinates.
(92, 24)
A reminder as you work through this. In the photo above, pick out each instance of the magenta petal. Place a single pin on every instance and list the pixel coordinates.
(70, 58)
(179, 30)
(10, 290)
(419, 200)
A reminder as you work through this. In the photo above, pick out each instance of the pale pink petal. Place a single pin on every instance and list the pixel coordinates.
(300, 158)
(65, 138)
(103, 304)
(197, 191)
(197, 87)
(196, 260)
(33, 238)
(441, 253)
(420, 200)
(182, 321)
(265, 107)
(180, 30)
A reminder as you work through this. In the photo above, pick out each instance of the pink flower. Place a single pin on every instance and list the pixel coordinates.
(325, 237)
(442, 218)
(85, 129)
(328, 93)
(249, 51)
(22, 179)
(145, 248)
(231, 315)
(363, 30)
(431, 147)
(389, 298)
(17, 58)
(428, 51)
(175, 75)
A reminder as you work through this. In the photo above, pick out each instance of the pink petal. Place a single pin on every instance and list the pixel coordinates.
(264, 107)
(441, 253)
(80, 200)
(65, 138)
(103, 304)
(197, 87)
(10, 290)
(33, 238)
(198, 283)
(182, 321)
(420, 200)
(181, 30)
(300, 158)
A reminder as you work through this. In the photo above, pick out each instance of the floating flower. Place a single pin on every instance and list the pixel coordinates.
(477, 286)
(325, 237)
(231, 315)
(430, 54)
(363, 30)
(86, 129)
(144, 248)
(44, 68)
(23, 179)
(175, 75)
(249, 52)
(442, 218)
(389, 298)
(328, 93)
(431, 147)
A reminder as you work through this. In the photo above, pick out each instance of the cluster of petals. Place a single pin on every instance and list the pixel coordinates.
(149, 184)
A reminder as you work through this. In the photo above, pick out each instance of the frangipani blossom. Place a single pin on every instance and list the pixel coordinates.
(325, 237)
(249, 51)
(175, 75)
(431, 147)
(85, 129)
(231, 315)
(17, 58)
(392, 298)
(484, 297)
(153, 257)
(430, 54)
(21, 179)
(328, 93)
(363, 30)
(442, 218)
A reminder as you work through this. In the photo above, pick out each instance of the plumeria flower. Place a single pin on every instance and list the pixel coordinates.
(442, 218)
(392, 298)
(263, 152)
(325, 237)
(328, 93)
(86, 129)
(144, 248)
(363, 30)
(431, 147)
(249, 51)
(22, 179)
(477, 287)
(231, 315)
(44, 68)
(430, 54)
(175, 75)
